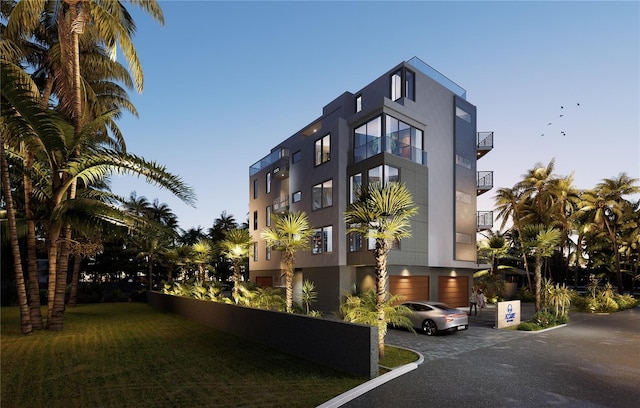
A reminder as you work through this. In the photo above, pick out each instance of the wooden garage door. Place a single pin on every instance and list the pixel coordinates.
(411, 287)
(264, 281)
(453, 290)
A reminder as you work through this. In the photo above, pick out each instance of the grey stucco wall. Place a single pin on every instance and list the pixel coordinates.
(351, 348)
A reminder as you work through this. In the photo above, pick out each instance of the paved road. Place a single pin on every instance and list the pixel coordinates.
(594, 361)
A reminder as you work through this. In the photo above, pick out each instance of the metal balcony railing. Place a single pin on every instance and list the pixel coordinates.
(484, 181)
(485, 143)
(484, 220)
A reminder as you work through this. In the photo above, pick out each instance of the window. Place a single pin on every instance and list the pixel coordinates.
(366, 139)
(384, 175)
(403, 140)
(396, 85)
(255, 189)
(297, 196)
(409, 85)
(322, 240)
(355, 184)
(296, 157)
(397, 90)
(322, 195)
(255, 251)
(268, 182)
(358, 103)
(255, 220)
(268, 213)
(463, 114)
(355, 242)
(268, 253)
(323, 150)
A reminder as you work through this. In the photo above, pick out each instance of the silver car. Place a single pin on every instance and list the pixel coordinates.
(432, 317)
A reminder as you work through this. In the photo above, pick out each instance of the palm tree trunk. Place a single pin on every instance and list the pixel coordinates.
(25, 318)
(32, 254)
(75, 277)
(538, 278)
(236, 278)
(289, 262)
(380, 254)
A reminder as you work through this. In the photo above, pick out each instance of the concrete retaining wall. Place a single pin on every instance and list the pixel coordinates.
(351, 348)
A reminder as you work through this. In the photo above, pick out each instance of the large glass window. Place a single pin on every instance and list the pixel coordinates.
(383, 175)
(323, 150)
(403, 139)
(322, 240)
(366, 139)
(322, 195)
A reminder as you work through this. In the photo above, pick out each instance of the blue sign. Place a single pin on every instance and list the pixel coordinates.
(510, 316)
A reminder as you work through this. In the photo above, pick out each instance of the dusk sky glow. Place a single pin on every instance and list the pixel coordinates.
(225, 82)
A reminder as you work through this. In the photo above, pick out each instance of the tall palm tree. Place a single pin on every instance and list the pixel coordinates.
(201, 255)
(605, 204)
(236, 247)
(25, 317)
(289, 233)
(566, 200)
(382, 214)
(509, 204)
(541, 241)
(536, 190)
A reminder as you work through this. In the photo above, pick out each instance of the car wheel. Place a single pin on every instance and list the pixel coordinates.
(429, 327)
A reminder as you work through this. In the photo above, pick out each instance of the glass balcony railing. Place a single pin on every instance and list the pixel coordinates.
(268, 160)
(280, 204)
(389, 145)
(432, 73)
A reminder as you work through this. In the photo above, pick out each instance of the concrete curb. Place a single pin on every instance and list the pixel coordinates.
(369, 385)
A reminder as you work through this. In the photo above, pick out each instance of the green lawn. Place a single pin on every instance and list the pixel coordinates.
(129, 355)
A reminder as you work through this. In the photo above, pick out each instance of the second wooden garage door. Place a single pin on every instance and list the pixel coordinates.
(411, 287)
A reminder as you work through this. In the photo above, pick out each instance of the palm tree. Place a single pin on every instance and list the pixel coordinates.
(605, 204)
(289, 233)
(509, 204)
(236, 246)
(541, 241)
(381, 214)
(25, 317)
(364, 309)
(201, 251)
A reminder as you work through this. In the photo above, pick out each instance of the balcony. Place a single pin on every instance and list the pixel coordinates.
(484, 220)
(485, 143)
(389, 145)
(280, 204)
(281, 154)
(484, 181)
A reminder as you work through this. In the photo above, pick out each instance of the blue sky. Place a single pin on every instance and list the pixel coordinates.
(227, 81)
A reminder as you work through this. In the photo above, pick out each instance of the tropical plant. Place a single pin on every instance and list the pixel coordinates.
(541, 242)
(201, 256)
(363, 308)
(309, 295)
(381, 213)
(289, 233)
(236, 246)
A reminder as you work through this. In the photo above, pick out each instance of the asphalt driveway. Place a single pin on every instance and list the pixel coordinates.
(594, 361)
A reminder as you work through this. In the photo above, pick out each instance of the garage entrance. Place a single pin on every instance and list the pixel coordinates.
(411, 287)
(453, 290)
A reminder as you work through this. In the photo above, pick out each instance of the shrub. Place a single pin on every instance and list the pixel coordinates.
(625, 301)
(529, 326)
(525, 295)
(543, 319)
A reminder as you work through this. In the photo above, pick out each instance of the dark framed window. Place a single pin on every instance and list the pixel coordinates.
(323, 150)
(322, 240)
(403, 84)
(255, 220)
(296, 156)
(268, 182)
(322, 195)
(297, 196)
(255, 188)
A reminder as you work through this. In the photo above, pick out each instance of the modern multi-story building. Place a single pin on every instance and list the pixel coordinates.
(411, 125)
